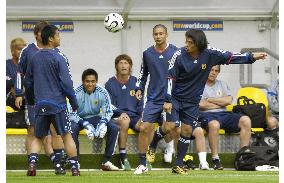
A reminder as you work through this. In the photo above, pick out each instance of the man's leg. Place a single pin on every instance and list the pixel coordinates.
(201, 147)
(170, 140)
(111, 140)
(57, 145)
(245, 133)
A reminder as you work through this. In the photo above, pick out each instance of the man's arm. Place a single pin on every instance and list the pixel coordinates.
(115, 109)
(222, 101)
(205, 105)
(106, 106)
(142, 79)
(272, 96)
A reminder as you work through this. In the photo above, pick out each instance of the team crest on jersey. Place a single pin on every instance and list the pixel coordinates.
(203, 66)
(219, 93)
(96, 102)
(132, 93)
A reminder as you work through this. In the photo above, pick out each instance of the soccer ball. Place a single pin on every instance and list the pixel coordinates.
(114, 22)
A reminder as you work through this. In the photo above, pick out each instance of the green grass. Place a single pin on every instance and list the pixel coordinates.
(196, 176)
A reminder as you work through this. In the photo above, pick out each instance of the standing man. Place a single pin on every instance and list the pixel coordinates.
(127, 108)
(48, 79)
(188, 73)
(155, 63)
(216, 96)
(94, 114)
(53, 147)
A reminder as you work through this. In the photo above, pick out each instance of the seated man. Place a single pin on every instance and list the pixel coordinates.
(273, 103)
(215, 98)
(127, 108)
(94, 114)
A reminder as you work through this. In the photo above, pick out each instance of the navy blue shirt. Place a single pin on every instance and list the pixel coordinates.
(188, 76)
(156, 64)
(49, 76)
(11, 74)
(123, 97)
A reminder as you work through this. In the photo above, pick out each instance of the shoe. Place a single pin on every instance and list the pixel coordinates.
(140, 170)
(108, 166)
(188, 161)
(150, 155)
(75, 172)
(266, 168)
(179, 170)
(169, 151)
(90, 131)
(31, 170)
(204, 166)
(217, 164)
(59, 170)
(125, 165)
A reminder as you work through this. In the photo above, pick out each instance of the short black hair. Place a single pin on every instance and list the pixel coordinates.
(89, 72)
(160, 25)
(198, 37)
(47, 32)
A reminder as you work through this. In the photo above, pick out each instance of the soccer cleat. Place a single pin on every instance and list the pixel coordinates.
(125, 165)
(140, 170)
(150, 155)
(31, 170)
(204, 166)
(217, 164)
(179, 170)
(188, 161)
(108, 166)
(59, 170)
(75, 172)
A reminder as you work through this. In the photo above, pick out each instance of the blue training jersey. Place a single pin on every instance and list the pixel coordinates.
(48, 77)
(156, 64)
(90, 105)
(187, 76)
(11, 74)
(123, 97)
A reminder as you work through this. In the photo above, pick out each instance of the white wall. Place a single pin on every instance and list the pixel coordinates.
(90, 45)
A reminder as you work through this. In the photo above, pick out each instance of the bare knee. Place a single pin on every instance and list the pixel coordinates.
(245, 123)
(198, 132)
(145, 127)
(213, 125)
(168, 127)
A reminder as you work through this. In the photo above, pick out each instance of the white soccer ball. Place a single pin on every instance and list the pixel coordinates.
(114, 22)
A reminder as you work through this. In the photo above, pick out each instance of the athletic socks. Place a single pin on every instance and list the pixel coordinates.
(182, 147)
(158, 135)
(33, 158)
(74, 162)
(142, 158)
(122, 153)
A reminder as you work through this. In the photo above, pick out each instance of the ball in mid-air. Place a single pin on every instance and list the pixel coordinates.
(114, 22)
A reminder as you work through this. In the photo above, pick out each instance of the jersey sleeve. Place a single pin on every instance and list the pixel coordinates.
(143, 75)
(173, 72)
(272, 96)
(225, 89)
(220, 57)
(114, 107)
(18, 83)
(106, 107)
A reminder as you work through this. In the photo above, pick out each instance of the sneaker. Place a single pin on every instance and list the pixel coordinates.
(108, 166)
(125, 165)
(150, 155)
(179, 170)
(217, 164)
(75, 172)
(140, 170)
(31, 170)
(90, 131)
(169, 151)
(204, 166)
(59, 170)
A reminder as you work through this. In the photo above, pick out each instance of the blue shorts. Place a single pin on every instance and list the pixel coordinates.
(152, 112)
(60, 122)
(31, 115)
(185, 112)
(133, 121)
(229, 121)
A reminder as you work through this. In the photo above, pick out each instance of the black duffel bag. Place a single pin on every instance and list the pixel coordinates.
(256, 111)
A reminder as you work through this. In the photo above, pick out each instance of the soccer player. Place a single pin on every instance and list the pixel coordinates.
(188, 72)
(216, 96)
(12, 65)
(155, 63)
(53, 147)
(127, 108)
(94, 114)
(48, 78)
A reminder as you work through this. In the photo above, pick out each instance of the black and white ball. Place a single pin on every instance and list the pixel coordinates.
(113, 22)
